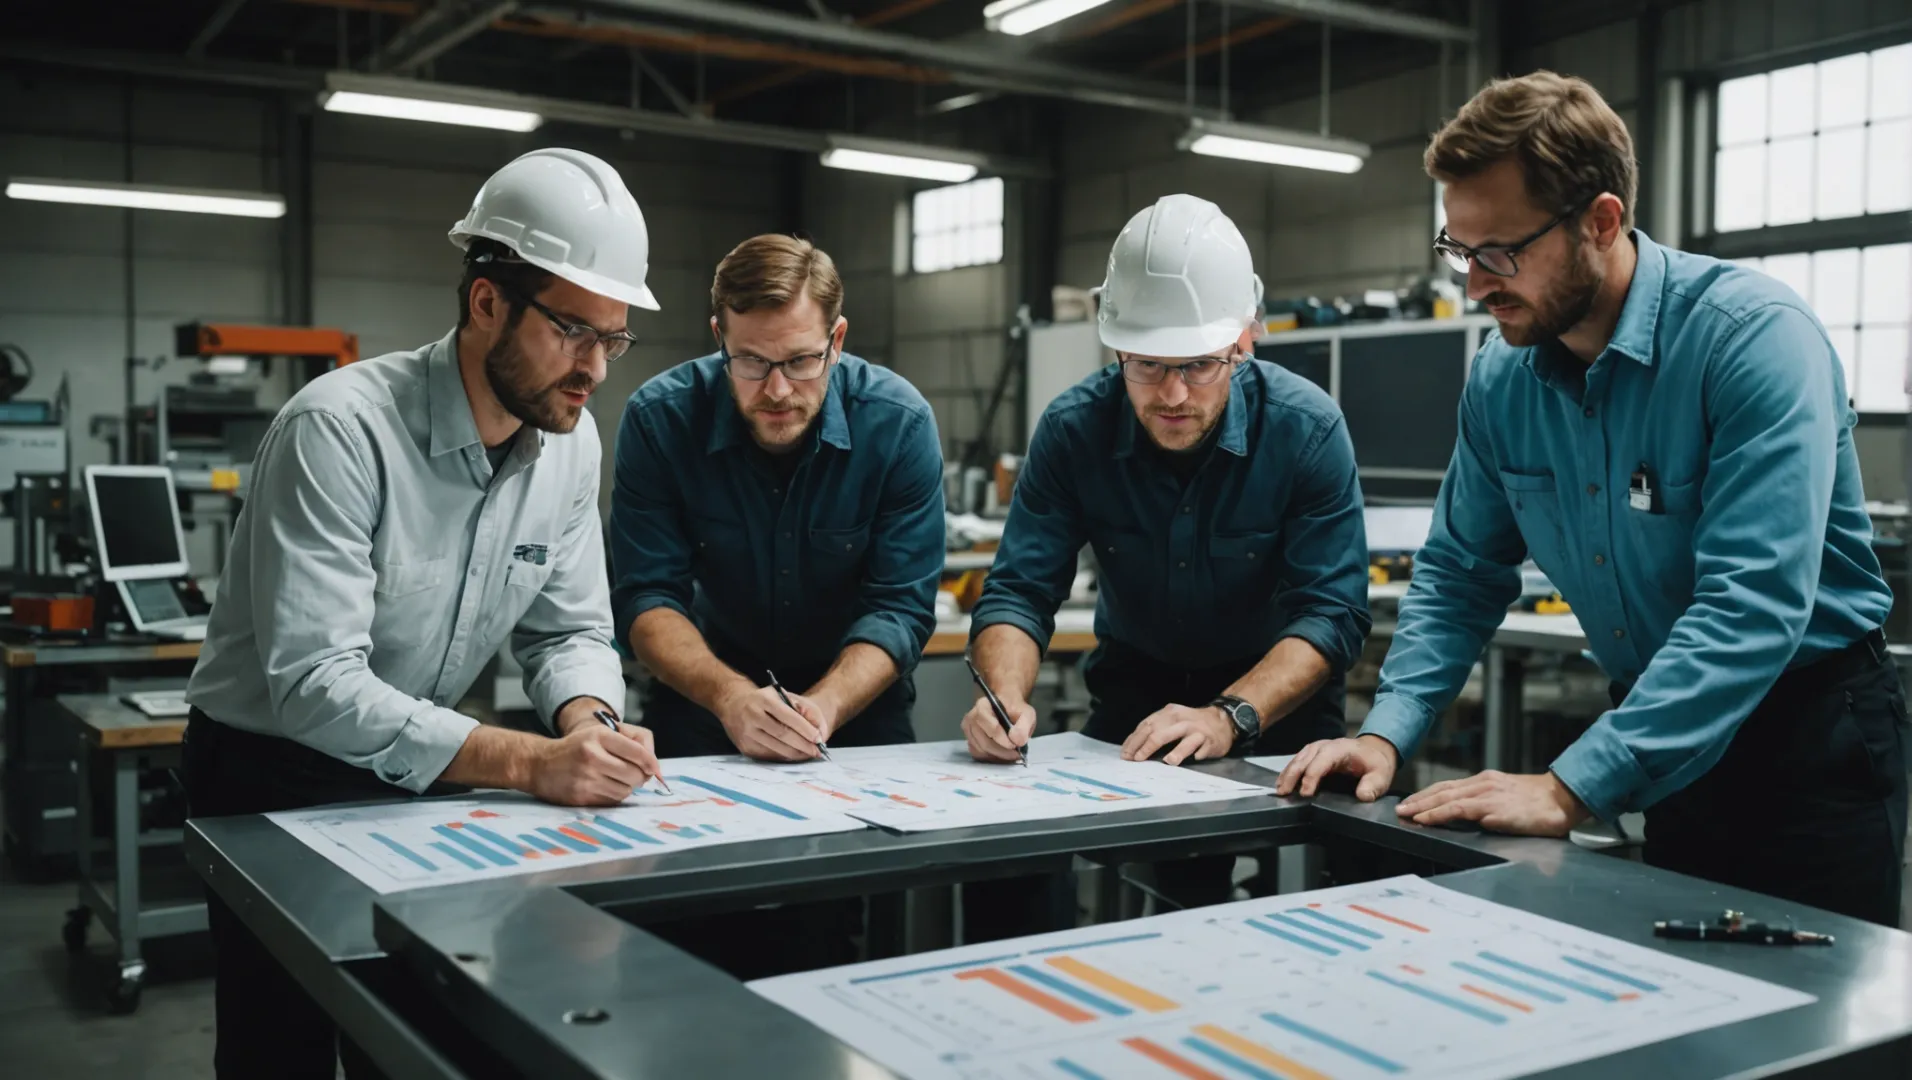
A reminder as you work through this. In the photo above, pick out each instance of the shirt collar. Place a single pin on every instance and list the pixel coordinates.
(1634, 334)
(728, 429)
(452, 425)
(1233, 436)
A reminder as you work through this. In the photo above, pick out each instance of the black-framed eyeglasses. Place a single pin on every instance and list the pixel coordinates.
(1496, 259)
(579, 338)
(1200, 371)
(802, 368)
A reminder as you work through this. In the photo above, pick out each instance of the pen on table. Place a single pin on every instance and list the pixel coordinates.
(1734, 926)
(610, 721)
(1002, 715)
(822, 748)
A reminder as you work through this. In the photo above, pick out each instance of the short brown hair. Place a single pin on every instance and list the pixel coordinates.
(770, 271)
(1570, 143)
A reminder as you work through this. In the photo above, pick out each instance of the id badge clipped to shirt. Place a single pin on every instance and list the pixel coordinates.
(1642, 494)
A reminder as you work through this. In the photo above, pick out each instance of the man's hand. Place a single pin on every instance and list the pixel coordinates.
(578, 712)
(1202, 732)
(1369, 757)
(592, 765)
(987, 740)
(1520, 804)
(763, 727)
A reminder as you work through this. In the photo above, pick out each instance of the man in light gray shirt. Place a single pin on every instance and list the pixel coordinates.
(406, 516)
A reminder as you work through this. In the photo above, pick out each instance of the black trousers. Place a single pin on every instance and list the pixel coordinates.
(267, 1025)
(1125, 688)
(1809, 801)
(762, 942)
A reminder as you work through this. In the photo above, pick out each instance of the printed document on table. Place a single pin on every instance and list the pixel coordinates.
(489, 834)
(1360, 982)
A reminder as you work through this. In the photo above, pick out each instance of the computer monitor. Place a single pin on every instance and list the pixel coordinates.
(1397, 530)
(136, 522)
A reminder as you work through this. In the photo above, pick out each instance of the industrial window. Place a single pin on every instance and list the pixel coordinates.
(1864, 296)
(1815, 142)
(958, 225)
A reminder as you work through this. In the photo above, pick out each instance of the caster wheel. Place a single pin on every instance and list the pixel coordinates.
(73, 931)
(123, 984)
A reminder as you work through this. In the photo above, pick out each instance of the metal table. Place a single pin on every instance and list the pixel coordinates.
(129, 910)
(505, 978)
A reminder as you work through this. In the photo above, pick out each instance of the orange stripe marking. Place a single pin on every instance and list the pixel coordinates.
(1629, 997)
(1254, 1051)
(1161, 1056)
(576, 835)
(1412, 968)
(1053, 1005)
(1491, 996)
(1384, 917)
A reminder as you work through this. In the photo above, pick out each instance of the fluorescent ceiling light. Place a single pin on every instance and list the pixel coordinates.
(149, 197)
(1017, 17)
(901, 159)
(430, 110)
(1274, 146)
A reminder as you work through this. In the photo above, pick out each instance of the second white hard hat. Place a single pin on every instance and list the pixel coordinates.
(570, 213)
(1180, 281)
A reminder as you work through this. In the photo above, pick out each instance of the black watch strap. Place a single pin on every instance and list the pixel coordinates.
(1245, 720)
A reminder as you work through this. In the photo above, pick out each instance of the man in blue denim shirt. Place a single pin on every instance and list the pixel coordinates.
(1218, 493)
(779, 508)
(1668, 437)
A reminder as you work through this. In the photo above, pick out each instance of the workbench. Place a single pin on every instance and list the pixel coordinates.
(547, 975)
(41, 808)
(144, 897)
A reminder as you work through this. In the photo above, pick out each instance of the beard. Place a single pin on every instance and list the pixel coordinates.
(782, 433)
(509, 373)
(1559, 311)
(1190, 435)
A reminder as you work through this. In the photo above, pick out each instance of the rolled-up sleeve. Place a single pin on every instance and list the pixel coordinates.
(564, 639)
(896, 600)
(1758, 545)
(650, 549)
(1035, 565)
(315, 505)
(1325, 548)
(1465, 576)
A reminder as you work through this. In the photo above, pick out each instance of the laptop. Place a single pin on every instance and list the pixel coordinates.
(154, 607)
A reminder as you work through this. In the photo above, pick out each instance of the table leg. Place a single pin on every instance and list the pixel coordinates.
(1506, 721)
(126, 855)
(83, 817)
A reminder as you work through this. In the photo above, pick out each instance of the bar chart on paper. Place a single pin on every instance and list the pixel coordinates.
(1399, 978)
(441, 841)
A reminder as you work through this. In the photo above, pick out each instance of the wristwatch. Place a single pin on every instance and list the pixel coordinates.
(1245, 720)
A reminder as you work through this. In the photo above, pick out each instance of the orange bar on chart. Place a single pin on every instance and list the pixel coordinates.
(576, 835)
(1290, 1068)
(1161, 1055)
(1053, 1005)
(1146, 1000)
(1385, 917)
(1491, 996)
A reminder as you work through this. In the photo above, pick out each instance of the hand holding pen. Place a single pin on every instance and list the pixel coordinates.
(604, 717)
(992, 737)
(823, 748)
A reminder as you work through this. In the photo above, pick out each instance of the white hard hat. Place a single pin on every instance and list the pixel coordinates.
(1180, 281)
(570, 213)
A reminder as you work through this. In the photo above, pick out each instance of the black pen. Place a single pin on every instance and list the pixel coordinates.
(822, 748)
(1734, 926)
(1002, 715)
(610, 721)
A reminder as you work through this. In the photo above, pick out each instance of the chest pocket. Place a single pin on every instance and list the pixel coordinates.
(1662, 544)
(410, 601)
(1244, 565)
(1536, 507)
(1128, 563)
(839, 551)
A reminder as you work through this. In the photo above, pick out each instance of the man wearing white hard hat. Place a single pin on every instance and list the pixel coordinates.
(409, 514)
(1218, 494)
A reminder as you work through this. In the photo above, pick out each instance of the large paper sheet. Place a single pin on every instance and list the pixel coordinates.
(1383, 979)
(938, 786)
(496, 834)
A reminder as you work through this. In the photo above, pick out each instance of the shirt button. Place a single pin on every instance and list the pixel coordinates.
(786, 536)
(1593, 489)
(786, 603)
(1619, 633)
(1589, 414)
(785, 571)
(1251, 555)
(474, 571)
(776, 491)
(1186, 510)
(1599, 560)
(1183, 565)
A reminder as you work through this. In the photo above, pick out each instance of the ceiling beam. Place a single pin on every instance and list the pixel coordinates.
(1216, 44)
(786, 75)
(1347, 14)
(673, 39)
(436, 30)
(213, 28)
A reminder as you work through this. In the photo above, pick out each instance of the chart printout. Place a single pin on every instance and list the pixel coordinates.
(930, 786)
(1394, 978)
(496, 834)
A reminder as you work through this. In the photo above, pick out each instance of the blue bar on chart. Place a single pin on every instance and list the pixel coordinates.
(1436, 996)
(1343, 924)
(1075, 1071)
(1511, 984)
(486, 834)
(741, 799)
(1079, 946)
(1295, 939)
(1557, 980)
(1302, 924)
(401, 849)
(490, 854)
(625, 831)
(1239, 1064)
(457, 855)
(567, 841)
(1069, 989)
(938, 969)
(1080, 779)
(1365, 1057)
(586, 832)
(1624, 980)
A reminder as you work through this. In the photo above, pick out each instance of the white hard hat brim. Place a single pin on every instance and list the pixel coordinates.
(638, 296)
(1171, 341)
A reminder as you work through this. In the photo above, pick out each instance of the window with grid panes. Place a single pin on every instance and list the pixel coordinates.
(1820, 142)
(955, 226)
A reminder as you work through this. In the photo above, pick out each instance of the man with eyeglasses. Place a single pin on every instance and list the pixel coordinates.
(1218, 494)
(778, 512)
(407, 516)
(1668, 436)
